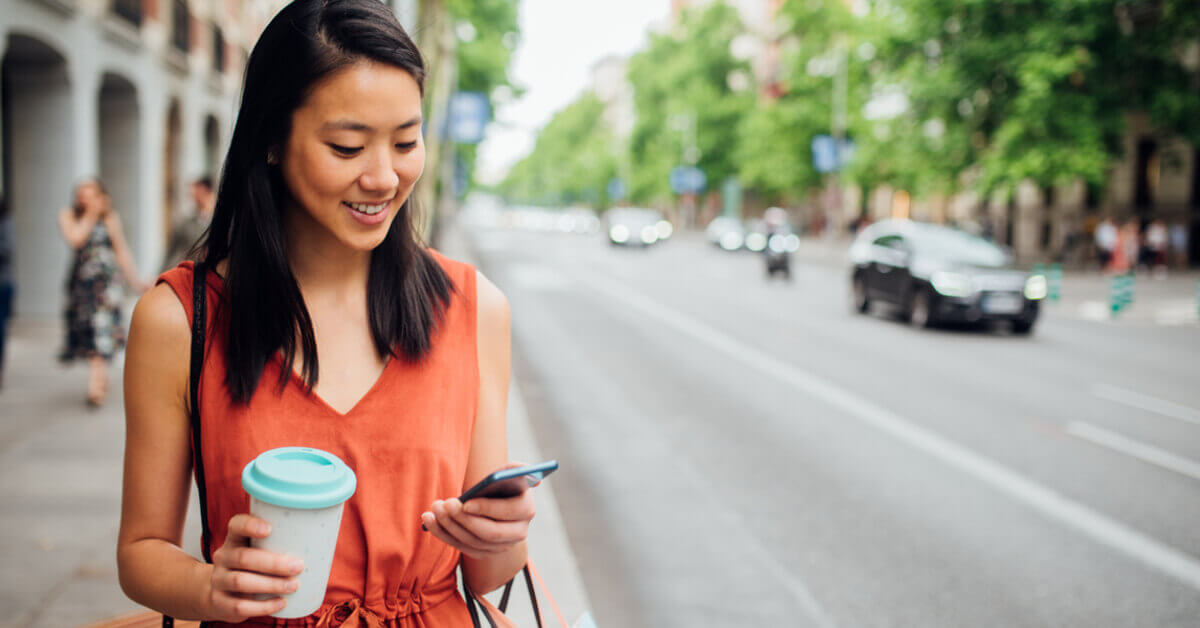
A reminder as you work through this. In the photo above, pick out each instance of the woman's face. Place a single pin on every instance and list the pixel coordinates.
(354, 153)
(85, 194)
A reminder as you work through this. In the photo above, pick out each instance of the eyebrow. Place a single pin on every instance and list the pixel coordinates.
(351, 125)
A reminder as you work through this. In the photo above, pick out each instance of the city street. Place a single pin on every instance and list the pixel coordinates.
(738, 452)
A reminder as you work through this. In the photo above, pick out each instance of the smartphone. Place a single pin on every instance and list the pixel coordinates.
(510, 482)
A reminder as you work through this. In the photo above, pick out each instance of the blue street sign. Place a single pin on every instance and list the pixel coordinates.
(616, 189)
(687, 180)
(468, 115)
(829, 155)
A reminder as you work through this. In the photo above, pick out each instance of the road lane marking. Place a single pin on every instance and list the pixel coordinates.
(1137, 449)
(1091, 523)
(1147, 403)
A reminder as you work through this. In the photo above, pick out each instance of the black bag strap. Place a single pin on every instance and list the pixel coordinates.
(474, 608)
(199, 327)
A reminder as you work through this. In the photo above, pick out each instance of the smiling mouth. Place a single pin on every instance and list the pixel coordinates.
(369, 210)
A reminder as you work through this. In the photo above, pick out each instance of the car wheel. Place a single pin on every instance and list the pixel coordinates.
(920, 313)
(1022, 327)
(859, 290)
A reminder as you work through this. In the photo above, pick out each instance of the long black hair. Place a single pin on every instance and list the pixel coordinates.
(407, 291)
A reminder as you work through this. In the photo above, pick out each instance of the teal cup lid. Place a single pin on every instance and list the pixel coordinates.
(299, 477)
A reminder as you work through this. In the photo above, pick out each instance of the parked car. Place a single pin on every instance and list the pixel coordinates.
(636, 226)
(933, 273)
(726, 232)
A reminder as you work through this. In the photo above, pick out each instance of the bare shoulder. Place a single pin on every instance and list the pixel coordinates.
(492, 305)
(160, 320)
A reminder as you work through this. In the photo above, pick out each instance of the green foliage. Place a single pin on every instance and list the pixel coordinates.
(573, 160)
(685, 74)
(996, 93)
(1038, 89)
(482, 62)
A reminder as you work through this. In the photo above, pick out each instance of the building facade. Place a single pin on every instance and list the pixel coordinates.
(141, 93)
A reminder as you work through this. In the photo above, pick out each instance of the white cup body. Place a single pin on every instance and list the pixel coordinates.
(310, 535)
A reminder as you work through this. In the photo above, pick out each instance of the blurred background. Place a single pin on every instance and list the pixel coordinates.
(835, 312)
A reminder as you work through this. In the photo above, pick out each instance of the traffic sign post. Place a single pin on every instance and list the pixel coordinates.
(687, 180)
(468, 115)
(830, 154)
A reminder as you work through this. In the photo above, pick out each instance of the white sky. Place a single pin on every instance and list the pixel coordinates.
(560, 41)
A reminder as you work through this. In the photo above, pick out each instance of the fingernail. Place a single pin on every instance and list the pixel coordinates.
(292, 586)
(296, 565)
(263, 528)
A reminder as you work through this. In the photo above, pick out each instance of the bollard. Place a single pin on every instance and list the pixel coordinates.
(1114, 295)
(1120, 293)
(1054, 281)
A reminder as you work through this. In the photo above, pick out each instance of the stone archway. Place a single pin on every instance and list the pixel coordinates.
(120, 162)
(38, 156)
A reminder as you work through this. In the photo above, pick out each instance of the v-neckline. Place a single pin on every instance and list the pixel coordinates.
(295, 378)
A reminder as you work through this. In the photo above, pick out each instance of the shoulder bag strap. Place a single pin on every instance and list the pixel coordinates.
(199, 326)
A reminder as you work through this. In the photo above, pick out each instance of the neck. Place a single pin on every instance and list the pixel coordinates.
(324, 267)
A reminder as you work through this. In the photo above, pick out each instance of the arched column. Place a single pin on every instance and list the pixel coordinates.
(42, 159)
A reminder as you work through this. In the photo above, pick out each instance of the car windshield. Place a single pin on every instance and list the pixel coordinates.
(958, 246)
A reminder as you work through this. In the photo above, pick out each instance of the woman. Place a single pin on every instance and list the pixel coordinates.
(330, 326)
(93, 312)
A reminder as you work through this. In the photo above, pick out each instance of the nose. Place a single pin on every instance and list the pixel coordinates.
(379, 174)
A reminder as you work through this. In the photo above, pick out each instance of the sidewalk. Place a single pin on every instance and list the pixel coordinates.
(60, 483)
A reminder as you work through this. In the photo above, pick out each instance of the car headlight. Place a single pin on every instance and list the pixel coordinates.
(1035, 287)
(952, 284)
(663, 229)
(619, 234)
(649, 234)
(756, 242)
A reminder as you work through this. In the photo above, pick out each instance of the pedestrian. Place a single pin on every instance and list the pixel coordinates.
(1129, 240)
(190, 229)
(1179, 244)
(331, 326)
(92, 316)
(7, 285)
(1156, 247)
(1106, 242)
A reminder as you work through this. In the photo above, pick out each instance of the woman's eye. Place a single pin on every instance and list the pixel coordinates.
(407, 146)
(345, 150)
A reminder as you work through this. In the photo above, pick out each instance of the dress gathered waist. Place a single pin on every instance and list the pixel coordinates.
(355, 613)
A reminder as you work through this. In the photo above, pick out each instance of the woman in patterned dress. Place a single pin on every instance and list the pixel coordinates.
(92, 314)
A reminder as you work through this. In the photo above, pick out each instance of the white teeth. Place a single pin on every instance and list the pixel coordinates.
(370, 210)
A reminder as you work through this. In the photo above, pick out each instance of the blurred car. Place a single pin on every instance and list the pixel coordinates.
(579, 220)
(636, 226)
(726, 232)
(939, 274)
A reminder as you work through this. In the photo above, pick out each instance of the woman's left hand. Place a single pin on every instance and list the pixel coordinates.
(483, 526)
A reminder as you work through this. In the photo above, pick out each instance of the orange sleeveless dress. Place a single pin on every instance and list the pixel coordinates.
(407, 441)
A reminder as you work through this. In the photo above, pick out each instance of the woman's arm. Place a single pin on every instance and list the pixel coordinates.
(153, 570)
(76, 231)
(121, 250)
(490, 532)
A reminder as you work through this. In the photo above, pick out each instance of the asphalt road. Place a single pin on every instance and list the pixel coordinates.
(738, 452)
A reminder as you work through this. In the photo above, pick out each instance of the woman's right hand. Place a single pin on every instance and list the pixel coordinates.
(240, 572)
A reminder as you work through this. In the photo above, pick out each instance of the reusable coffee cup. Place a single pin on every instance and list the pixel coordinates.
(300, 492)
